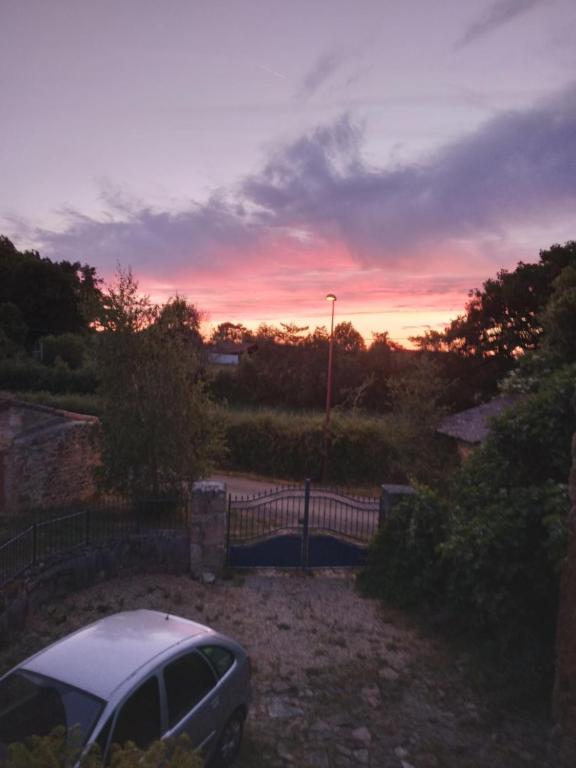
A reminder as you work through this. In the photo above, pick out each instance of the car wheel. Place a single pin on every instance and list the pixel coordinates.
(230, 740)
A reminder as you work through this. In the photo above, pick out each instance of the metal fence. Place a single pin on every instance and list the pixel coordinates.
(56, 534)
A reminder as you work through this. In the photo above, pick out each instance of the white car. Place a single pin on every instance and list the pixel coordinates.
(134, 676)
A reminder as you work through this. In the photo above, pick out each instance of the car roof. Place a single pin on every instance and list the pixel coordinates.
(101, 656)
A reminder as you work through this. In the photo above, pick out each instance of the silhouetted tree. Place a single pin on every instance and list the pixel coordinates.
(53, 297)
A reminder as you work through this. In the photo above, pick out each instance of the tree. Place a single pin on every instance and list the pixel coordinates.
(13, 329)
(179, 318)
(348, 339)
(233, 333)
(159, 428)
(53, 297)
(505, 317)
(559, 317)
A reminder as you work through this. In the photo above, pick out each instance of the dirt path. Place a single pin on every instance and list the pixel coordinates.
(339, 681)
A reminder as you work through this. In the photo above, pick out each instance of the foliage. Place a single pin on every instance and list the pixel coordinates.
(56, 750)
(494, 557)
(13, 329)
(404, 562)
(290, 445)
(416, 397)
(230, 333)
(25, 374)
(53, 297)
(159, 428)
(505, 316)
(502, 554)
(69, 348)
(559, 317)
(347, 338)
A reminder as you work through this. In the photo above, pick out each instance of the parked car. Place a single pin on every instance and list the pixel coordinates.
(133, 676)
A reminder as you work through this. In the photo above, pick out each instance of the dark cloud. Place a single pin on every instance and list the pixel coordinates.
(153, 239)
(518, 169)
(498, 14)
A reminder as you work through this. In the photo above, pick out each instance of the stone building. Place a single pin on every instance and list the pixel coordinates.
(48, 457)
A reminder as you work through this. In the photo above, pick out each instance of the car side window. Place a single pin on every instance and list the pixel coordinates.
(139, 718)
(220, 658)
(188, 680)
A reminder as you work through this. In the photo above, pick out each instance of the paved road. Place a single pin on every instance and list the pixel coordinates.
(246, 486)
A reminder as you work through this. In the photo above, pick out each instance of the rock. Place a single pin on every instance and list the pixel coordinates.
(284, 753)
(401, 753)
(361, 756)
(208, 577)
(279, 709)
(318, 760)
(320, 727)
(371, 695)
(362, 734)
(389, 674)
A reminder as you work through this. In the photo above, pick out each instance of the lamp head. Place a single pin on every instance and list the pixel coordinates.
(330, 297)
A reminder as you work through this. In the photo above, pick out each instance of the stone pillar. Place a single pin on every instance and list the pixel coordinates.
(565, 683)
(208, 528)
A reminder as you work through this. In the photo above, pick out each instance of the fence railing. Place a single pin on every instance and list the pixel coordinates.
(49, 537)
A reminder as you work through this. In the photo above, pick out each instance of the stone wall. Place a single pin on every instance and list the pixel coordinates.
(48, 458)
(565, 685)
(199, 550)
(168, 551)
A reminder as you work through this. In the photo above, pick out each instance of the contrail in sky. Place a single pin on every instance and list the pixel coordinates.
(272, 71)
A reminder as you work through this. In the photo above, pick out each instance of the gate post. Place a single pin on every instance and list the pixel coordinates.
(208, 527)
(304, 551)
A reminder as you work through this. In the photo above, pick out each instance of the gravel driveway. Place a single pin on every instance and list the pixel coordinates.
(339, 681)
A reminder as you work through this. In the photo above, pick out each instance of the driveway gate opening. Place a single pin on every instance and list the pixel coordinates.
(304, 527)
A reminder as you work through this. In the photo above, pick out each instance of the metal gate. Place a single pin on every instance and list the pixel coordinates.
(304, 527)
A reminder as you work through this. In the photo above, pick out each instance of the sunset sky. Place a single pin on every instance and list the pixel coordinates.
(254, 155)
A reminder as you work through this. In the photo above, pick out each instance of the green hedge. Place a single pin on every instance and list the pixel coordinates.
(291, 445)
(20, 375)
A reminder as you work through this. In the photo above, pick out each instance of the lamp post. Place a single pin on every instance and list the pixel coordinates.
(332, 299)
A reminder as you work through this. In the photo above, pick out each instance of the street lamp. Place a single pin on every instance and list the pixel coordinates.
(332, 299)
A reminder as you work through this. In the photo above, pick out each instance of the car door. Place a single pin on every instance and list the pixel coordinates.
(193, 703)
(139, 717)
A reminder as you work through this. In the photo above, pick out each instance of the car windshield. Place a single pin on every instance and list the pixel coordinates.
(34, 705)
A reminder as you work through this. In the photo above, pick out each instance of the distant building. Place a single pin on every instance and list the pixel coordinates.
(48, 457)
(229, 353)
(469, 428)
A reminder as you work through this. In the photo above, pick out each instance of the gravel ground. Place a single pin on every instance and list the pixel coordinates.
(339, 681)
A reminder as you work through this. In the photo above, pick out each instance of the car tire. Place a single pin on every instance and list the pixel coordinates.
(229, 742)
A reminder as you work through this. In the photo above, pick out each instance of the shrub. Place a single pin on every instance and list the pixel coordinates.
(404, 560)
(58, 750)
(69, 347)
(26, 374)
(290, 445)
(493, 553)
(503, 556)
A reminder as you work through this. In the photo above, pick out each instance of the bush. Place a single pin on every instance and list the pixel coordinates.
(503, 560)
(26, 374)
(492, 553)
(58, 750)
(404, 560)
(70, 348)
(289, 445)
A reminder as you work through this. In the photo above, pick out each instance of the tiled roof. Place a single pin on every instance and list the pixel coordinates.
(472, 426)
